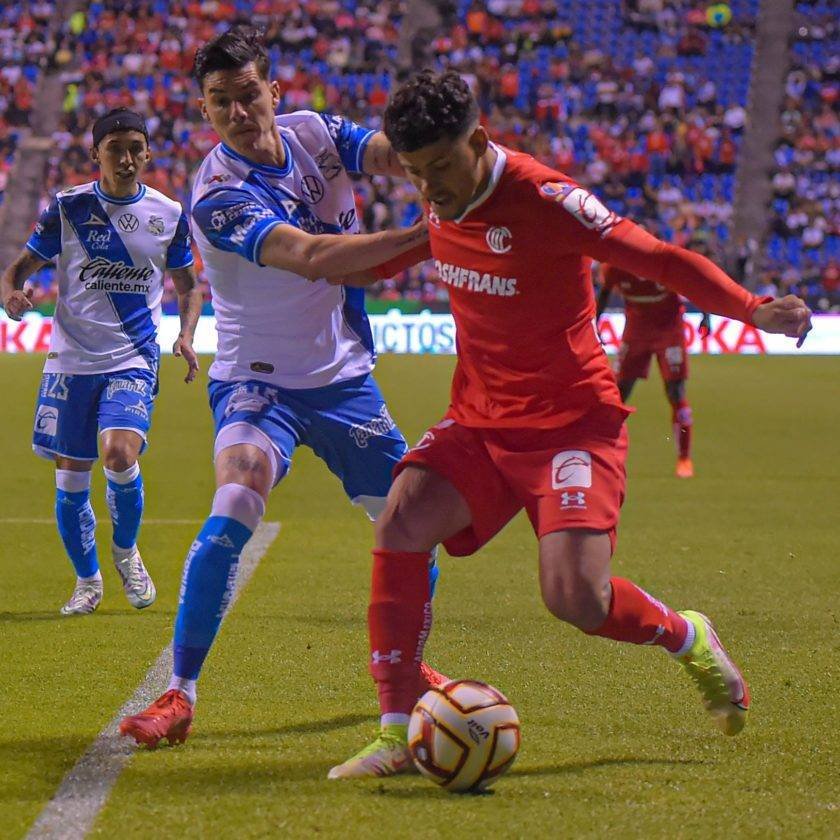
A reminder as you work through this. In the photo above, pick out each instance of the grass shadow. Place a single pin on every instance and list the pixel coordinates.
(311, 727)
(564, 769)
(54, 615)
(572, 767)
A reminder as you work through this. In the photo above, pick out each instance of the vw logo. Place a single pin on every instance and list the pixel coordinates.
(498, 238)
(312, 189)
(128, 222)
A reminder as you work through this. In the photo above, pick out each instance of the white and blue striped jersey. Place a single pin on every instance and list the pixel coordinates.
(111, 254)
(273, 325)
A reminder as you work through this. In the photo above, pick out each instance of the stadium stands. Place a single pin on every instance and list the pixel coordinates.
(644, 101)
(803, 241)
(24, 50)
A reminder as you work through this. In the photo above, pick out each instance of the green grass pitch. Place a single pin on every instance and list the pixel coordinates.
(615, 742)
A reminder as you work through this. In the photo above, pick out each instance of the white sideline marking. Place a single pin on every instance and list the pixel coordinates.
(83, 792)
(14, 520)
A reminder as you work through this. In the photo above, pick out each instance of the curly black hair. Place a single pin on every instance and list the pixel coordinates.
(231, 50)
(427, 108)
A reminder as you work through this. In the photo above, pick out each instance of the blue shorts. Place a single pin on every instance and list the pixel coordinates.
(74, 408)
(347, 425)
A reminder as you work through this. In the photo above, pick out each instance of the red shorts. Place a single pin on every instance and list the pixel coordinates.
(564, 478)
(634, 357)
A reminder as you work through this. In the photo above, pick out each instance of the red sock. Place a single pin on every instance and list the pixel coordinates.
(682, 420)
(640, 619)
(399, 621)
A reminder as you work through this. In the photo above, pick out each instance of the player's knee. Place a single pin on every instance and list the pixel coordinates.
(402, 526)
(118, 455)
(399, 531)
(245, 465)
(577, 600)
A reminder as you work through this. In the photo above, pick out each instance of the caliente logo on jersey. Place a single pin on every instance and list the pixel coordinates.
(115, 276)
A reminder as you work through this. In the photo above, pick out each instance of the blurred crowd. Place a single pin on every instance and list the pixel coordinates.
(803, 243)
(24, 47)
(643, 101)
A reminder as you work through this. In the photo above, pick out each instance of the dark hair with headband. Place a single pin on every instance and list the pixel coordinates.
(119, 119)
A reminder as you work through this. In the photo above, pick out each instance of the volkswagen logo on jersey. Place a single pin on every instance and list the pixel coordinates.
(312, 189)
(128, 222)
(498, 238)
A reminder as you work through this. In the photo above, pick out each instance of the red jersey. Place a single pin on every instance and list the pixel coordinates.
(517, 264)
(650, 308)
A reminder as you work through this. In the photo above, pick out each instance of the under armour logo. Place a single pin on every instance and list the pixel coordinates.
(573, 500)
(392, 658)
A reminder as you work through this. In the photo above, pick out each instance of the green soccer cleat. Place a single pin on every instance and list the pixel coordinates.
(388, 755)
(725, 692)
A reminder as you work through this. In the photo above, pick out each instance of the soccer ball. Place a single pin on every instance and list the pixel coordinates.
(463, 735)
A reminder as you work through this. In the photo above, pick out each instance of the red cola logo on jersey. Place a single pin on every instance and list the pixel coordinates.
(584, 206)
(474, 281)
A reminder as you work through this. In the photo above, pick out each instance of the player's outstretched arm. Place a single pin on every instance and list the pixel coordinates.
(334, 255)
(16, 301)
(380, 158)
(189, 310)
(630, 247)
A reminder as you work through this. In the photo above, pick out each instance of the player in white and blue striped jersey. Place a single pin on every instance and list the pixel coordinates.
(112, 240)
(270, 207)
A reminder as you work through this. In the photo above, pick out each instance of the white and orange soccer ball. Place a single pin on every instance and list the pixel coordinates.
(463, 735)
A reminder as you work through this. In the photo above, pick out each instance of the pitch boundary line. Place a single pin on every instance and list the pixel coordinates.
(82, 794)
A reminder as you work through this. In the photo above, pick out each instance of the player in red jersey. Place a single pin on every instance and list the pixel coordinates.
(535, 418)
(653, 326)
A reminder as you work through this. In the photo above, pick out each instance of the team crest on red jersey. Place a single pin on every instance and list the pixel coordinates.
(583, 205)
(498, 238)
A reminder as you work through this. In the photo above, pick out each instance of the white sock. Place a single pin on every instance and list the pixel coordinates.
(185, 686)
(123, 476)
(94, 578)
(121, 553)
(690, 636)
(391, 718)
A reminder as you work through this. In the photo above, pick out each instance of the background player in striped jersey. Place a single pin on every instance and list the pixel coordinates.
(653, 326)
(295, 357)
(112, 241)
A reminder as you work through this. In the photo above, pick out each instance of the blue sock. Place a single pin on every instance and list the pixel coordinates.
(206, 589)
(434, 571)
(76, 520)
(124, 495)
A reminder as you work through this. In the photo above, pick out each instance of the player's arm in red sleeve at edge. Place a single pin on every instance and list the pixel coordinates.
(387, 269)
(630, 247)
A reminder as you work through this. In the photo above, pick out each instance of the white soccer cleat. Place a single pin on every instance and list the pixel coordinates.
(85, 598)
(137, 584)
